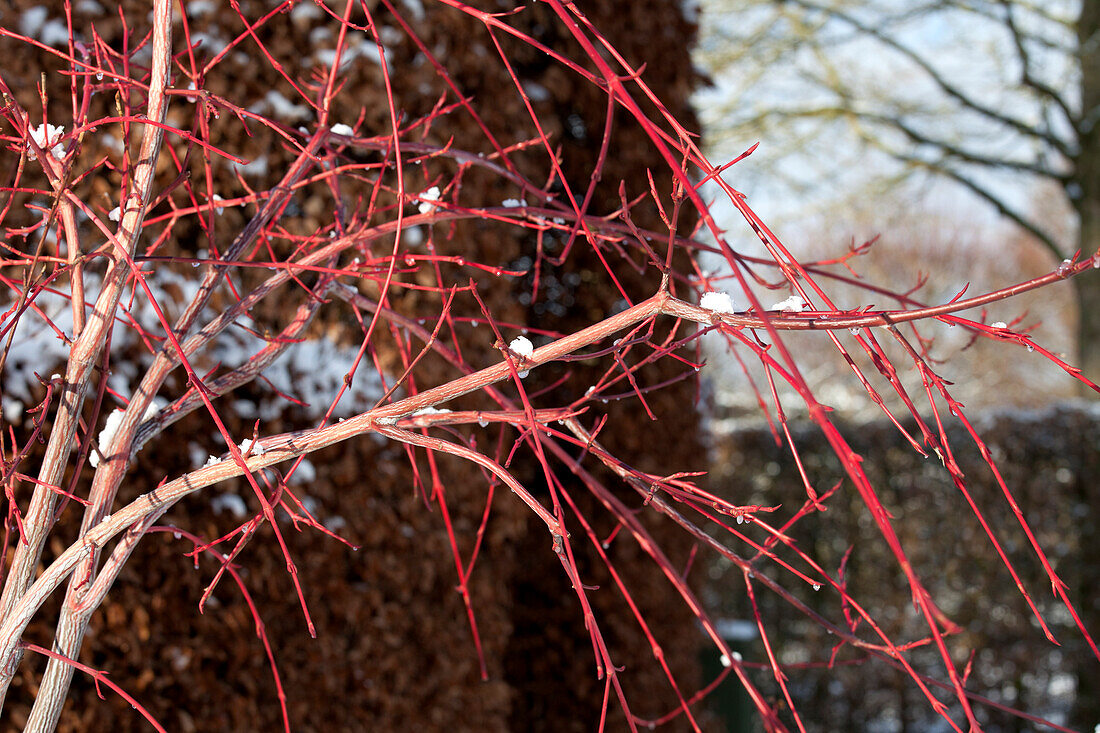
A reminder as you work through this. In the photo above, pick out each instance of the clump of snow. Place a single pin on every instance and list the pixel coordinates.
(13, 410)
(716, 301)
(535, 92)
(107, 436)
(211, 460)
(735, 629)
(359, 45)
(998, 324)
(247, 443)
(335, 523)
(54, 33)
(513, 203)
(303, 12)
(305, 473)
(199, 8)
(197, 454)
(115, 214)
(728, 660)
(390, 36)
(34, 23)
(286, 110)
(793, 304)
(32, 20)
(258, 167)
(415, 8)
(311, 505)
(231, 503)
(430, 410)
(153, 408)
(341, 129)
(47, 137)
(211, 42)
(426, 199)
(522, 346)
(111, 426)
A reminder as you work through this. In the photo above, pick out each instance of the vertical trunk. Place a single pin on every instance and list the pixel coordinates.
(1087, 707)
(1087, 177)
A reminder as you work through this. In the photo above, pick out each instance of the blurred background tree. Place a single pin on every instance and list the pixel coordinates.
(960, 135)
(982, 104)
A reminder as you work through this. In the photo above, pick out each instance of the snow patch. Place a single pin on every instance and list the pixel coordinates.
(258, 167)
(229, 503)
(415, 8)
(431, 410)
(793, 304)
(13, 410)
(47, 137)
(304, 12)
(305, 473)
(54, 33)
(254, 445)
(197, 455)
(522, 346)
(717, 302)
(335, 523)
(358, 45)
(210, 42)
(34, 24)
(535, 92)
(727, 660)
(312, 371)
(107, 436)
(282, 108)
(426, 199)
(199, 8)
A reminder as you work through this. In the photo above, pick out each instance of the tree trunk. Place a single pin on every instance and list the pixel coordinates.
(1086, 709)
(1087, 178)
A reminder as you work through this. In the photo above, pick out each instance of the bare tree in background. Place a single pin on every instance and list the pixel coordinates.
(996, 96)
